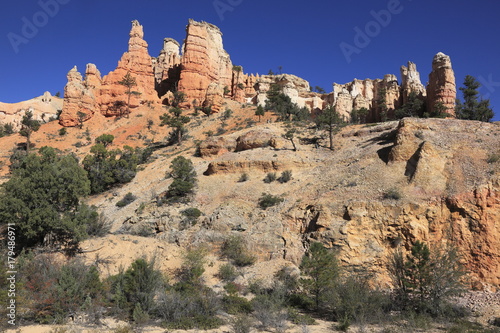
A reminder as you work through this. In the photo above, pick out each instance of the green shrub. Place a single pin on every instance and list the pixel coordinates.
(393, 194)
(243, 178)
(105, 139)
(269, 310)
(143, 230)
(63, 131)
(241, 324)
(299, 318)
(227, 272)
(192, 213)
(285, 177)
(139, 284)
(493, 158)
(8, 128)
(55, 290)
(269, 200)
(188, 309)
(270, 177)
(108, 168)
(235, 249)
(126, 200)
(234, 305)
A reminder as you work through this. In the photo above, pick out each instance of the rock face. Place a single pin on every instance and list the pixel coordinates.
(366, 94)
(106, 95)
(411, 82)
(167, 67)
(80, 96)
(205, 64)
(205, 74)
(43, 108)
(137, 62)
(442, 87)
(216, 146)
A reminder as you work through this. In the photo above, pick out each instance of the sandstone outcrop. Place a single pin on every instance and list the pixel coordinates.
(106, 95)
(442, 87)
(167, 67)
(214, 146)
(136, 61)
(43, 108)
(255, 139)
(204, 64)
(80, 101)
(410, 82)
(205, 74)
(366, 94)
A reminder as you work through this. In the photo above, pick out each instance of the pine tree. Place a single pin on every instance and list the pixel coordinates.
(321, 270)
(184, 175)
(129, 82)
(382, 104)
(28, 126)
(329, 119)
(414, 107)
(472, 108)
(177, 121)
(260, 111)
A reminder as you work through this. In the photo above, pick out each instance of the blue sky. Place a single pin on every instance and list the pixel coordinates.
(303, 37)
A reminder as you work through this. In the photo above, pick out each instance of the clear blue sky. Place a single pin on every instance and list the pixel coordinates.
(303, 37)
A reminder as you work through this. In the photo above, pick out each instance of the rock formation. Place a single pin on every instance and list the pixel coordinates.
(106, 95)
(410, 78)
(204, 64)
(366, 94)
(44, 109)
(80, 96)
(137, 62)
(442, 87)
(206, 75)
(167, 67)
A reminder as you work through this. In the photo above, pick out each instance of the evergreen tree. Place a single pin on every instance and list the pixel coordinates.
(358, 116)
(329, 119)
(426, 278)
(184, 175)
(80, 116)
(414, 107)
(28, 126)
(129, 82)
(321, 272)
(472, 108)
(42, 199)
(176, 121)
(290, 135)
(282, 105)
(382, 104)
(260, 111)
(439, 111)
(105, 139)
